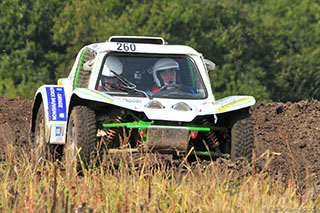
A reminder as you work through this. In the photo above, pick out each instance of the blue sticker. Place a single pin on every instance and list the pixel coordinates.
(132, 100)
(56, 103)
(59, 130)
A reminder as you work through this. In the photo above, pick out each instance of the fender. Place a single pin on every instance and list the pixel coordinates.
(232, 103)
(55, 103)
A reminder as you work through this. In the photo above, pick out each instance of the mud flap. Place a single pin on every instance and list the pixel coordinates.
(167, 139)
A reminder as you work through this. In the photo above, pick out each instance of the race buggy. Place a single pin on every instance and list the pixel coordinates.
(143, 94)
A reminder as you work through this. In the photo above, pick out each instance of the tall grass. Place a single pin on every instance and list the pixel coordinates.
(220, 186)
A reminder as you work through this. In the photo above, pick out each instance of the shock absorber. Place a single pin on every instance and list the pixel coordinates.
(111, 133)
(210, 137)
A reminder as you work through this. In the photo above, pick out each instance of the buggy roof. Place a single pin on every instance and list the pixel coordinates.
(143, 48)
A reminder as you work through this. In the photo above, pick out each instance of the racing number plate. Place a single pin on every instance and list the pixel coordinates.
(167, 139)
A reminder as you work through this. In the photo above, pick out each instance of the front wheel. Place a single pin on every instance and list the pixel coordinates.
(242, 136)
(81, 138)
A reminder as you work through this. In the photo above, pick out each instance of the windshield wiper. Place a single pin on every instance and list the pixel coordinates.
(128, 86)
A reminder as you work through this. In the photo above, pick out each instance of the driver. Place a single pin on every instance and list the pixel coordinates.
(108, 79)
(164, 73)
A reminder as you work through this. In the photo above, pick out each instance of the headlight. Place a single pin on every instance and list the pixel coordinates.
(154, 105)
(181, 106)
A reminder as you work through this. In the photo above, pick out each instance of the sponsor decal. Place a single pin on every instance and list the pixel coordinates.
(59, 130)
(132, 100)
(56, 103)
(96, 47)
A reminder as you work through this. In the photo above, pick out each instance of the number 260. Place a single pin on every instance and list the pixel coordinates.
(126, 47)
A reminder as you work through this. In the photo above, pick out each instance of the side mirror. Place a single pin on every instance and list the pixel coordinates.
(209, 64)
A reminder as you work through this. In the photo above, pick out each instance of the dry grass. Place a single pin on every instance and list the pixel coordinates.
(221, 186)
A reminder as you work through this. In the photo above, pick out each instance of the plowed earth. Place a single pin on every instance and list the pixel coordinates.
(287, 137)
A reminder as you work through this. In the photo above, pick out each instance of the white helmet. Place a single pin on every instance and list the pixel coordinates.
(114, 64)
(161, 65)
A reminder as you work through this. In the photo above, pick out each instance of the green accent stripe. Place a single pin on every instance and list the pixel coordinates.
(192, 128)
(75, 84)
(136, 125)
(144, 125)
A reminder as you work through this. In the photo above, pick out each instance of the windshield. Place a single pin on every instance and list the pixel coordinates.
(161, 76)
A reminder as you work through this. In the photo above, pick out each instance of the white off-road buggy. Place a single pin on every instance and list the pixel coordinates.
(141, 93)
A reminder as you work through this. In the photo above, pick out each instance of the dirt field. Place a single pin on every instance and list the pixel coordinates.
(287, 136)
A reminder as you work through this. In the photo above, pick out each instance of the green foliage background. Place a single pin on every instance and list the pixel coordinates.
(269, 49)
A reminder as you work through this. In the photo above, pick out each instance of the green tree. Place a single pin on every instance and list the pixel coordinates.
(290, 31)
(28, 56)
